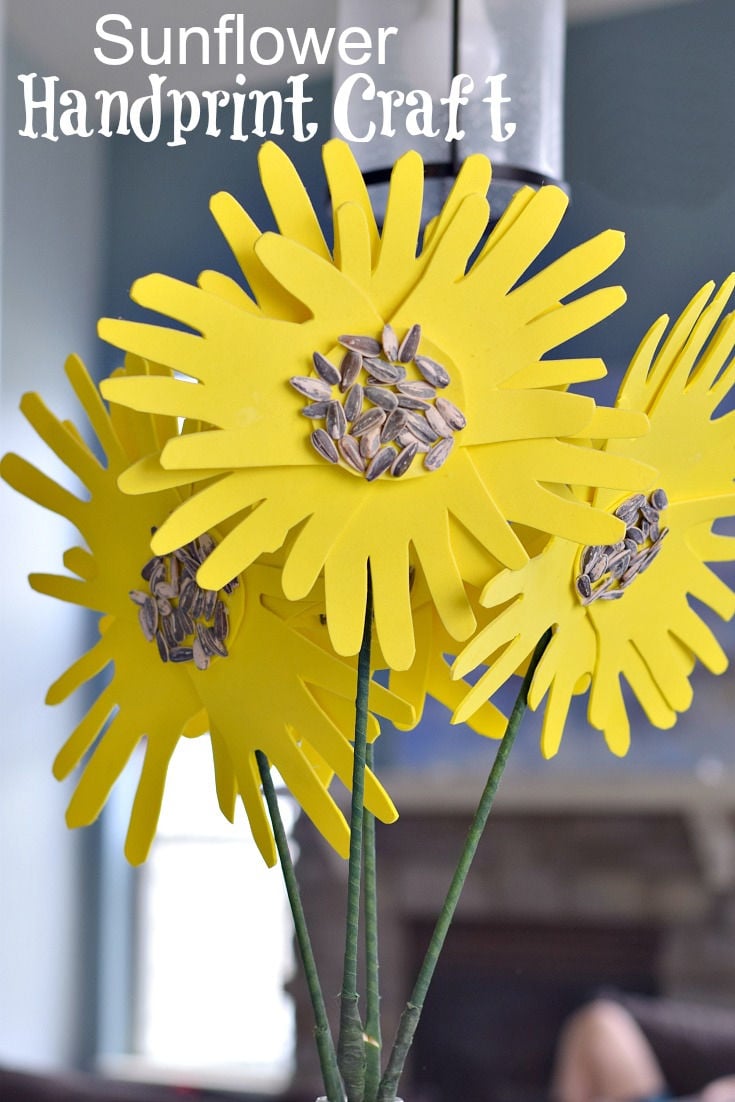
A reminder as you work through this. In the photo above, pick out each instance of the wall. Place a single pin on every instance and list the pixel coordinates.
(53, 228)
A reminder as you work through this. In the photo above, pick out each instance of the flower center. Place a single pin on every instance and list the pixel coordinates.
(188, 623)
(607, 570)
(385, 410)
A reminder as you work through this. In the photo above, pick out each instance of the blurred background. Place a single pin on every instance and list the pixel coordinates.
(598, 872)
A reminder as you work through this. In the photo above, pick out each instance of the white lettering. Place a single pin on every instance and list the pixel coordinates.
(420, 119)
(341, 112)
(460, 84)
(138, 106)
(184, 35)
(384, 33)
(311, 42)
(100, 28)
(214, 100)
(179, 126)
(107, 99)
(499, 131)
(47, 104)
(255, 46)
(74, 119)
(298, 100)
(364, 42)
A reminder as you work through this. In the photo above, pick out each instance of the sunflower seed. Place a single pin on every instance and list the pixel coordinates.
(168, 630)
(350, 450)
(597, 569)
(209, 602)
(195, 552)
(621, 565)
(384, 372)
(201, 659)
(650, 513)
(158, 575)
(138, 596)
(659, 500)
(649, 556)
(437, 456)
(590, 556)
(177, 626)
(451, 414)
(629, 508)
(219, 645)
(370, 443)
(184, 620)
(350, 368)
(315, 389)
(421, 429)
(336, 420)
(409, 346)
(437, 422)
(390, 342)
(173, 575)
(403, 460)
(221, 620)
(653, 531)
(611, 595)
(211, 645)
(634, 533)
(149, 567)
(148, 618)
(386, 399)
(164, 606)
(166, 591)
(406, 401)
(418, 389)
(323, 443)
(197, 603)
(206, 639)
(393, 425)
(634, 568)
(367, 345)
(584, 586)
(353, 402)
(189, 564)
(325, 370)
(187, 594)
(433, 372)
(205, 545)
(316, 410)
(380, 463)
(162, 647)
(407, 436)
(180, 654)
(370, 419)
(231, 585)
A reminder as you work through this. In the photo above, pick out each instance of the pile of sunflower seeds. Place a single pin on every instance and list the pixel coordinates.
(188, 623)
(608, 570)
(381, 419)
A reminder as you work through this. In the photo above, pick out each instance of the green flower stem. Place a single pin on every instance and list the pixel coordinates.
(372, 984)
(351, 1045)
(322, 1032)
(412, 1013)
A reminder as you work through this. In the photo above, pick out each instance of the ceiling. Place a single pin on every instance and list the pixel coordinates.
(57, 44)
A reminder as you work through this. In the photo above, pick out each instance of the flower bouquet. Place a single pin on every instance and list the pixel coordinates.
(363, 457)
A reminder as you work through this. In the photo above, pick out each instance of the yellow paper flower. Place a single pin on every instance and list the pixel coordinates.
(415, 345)
(234, 666)
(623, 610)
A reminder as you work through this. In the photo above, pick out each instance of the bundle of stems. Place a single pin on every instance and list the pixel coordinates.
(353, 1069)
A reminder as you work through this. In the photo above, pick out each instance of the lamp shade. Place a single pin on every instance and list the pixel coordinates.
(455, 77)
